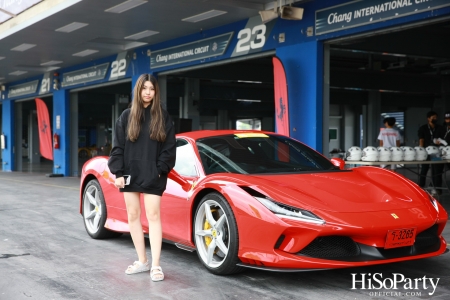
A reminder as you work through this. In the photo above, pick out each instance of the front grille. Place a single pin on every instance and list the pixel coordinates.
(330, 247)
(427, 238)
(345, 249)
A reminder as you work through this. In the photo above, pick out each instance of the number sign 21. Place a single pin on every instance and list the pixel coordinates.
(45, 85)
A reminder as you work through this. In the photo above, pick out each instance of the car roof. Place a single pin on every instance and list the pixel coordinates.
(199, 134)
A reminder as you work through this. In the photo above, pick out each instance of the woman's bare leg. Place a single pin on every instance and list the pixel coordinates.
(152, 209)
(134, 221)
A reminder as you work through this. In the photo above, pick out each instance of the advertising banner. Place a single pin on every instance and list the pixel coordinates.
(45, 136)
(358, 13)
(281, 98)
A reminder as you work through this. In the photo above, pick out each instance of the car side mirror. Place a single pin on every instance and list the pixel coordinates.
(185, 185)
(338, 162)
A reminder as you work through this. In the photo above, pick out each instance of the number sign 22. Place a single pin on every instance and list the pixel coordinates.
(118, 68)
(245, 35)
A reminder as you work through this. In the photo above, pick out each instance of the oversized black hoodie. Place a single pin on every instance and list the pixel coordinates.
(147, 161)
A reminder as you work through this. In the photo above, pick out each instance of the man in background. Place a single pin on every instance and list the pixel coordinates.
(428, 134)
(389, 137)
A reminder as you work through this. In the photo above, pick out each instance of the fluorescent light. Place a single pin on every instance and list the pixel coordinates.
(17, 73)
(53, 68)
(203, 16)
(441, 64)
(23, 47)
(85, 53)
(120, 8)
(113, 44)
(51, 63)
(248, 81)
(36, 68)
(71, 27)
(141, 35)
(248, 100)
(2, 57)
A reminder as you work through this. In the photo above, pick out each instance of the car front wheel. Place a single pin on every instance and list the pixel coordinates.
(216, 235)
(94, 212)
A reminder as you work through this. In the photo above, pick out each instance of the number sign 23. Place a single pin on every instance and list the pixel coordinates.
(245, 36)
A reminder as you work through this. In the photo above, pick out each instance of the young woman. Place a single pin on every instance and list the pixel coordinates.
(143, 155)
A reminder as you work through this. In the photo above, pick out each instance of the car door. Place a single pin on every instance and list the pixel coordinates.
(175, 205)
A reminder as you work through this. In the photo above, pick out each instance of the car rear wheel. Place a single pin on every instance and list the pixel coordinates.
(94, 212)
(216, 235)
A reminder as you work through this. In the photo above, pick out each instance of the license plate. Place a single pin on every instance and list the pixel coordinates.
(400, 238)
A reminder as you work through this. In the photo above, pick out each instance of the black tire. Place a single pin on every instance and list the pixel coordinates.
(224, 234)
(94, 215)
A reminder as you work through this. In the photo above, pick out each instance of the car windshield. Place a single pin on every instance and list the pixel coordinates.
(258, 153)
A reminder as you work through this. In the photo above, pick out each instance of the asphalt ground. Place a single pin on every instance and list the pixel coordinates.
(45, 253)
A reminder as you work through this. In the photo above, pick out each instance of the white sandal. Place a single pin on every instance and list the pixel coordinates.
(137, 267)
(154, 272)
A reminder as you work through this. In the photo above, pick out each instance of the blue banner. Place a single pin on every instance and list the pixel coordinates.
(358, 13)
(205, 48)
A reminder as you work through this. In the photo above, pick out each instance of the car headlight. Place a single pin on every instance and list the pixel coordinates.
(433, 201)
(289, 212)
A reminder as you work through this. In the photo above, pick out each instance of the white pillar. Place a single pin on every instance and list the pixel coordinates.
(33, 138)
(19, 136)
(74, 169)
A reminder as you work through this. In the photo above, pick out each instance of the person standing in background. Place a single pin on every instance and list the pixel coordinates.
(389, 137)
(429, 133)
(446, 131)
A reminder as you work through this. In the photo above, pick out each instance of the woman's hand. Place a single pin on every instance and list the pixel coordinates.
(120, 182)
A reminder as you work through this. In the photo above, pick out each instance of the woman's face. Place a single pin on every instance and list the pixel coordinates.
(147, 93)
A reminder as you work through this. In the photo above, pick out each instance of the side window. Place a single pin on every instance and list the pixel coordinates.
(185, 159)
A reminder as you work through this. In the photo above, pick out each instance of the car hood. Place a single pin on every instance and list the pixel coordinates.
(357, 190)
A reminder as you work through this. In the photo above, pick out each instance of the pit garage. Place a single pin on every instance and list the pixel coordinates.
(236, 95)
(28, 156)
(400, 72)
(93, 113)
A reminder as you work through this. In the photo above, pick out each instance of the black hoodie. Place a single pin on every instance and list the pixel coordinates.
(147, 161)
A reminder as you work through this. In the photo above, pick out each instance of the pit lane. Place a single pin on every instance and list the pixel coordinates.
(45, 253)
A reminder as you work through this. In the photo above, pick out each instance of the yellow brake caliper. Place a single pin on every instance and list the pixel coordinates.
(207, 226)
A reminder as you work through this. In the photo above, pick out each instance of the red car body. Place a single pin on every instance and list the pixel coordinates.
(359, 207)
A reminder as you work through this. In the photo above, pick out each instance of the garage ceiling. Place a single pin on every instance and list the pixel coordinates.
(105, 31)
(417, 51)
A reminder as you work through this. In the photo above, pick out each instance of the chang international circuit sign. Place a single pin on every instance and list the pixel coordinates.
(85, 75)
(358, 13)
(201, 49)
(23, 89)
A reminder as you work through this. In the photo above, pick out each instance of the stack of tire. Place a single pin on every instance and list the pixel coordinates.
(404, 153)
(445, 152)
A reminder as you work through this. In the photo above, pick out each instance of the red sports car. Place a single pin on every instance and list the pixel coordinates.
(263, 200)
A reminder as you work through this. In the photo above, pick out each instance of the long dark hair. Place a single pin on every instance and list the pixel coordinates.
(157, 128)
